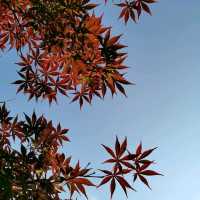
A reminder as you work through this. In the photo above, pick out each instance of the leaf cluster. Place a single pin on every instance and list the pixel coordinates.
(38, 169)
(125, 163)
(64, 48)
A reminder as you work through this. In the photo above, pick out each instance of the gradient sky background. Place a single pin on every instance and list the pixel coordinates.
(161, 110)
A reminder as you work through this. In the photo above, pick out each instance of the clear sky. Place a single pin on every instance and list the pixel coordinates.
(163, 109)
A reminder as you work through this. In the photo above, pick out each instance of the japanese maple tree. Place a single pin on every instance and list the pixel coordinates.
(63, 49)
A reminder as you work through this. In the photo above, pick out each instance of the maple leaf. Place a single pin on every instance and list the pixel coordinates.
(130, 8)
(64, 48)
(113, 177)
(118, 157)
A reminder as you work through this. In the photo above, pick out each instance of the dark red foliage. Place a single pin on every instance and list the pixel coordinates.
(37, 170)
(124, 163)
(133, 9)
(64, 49)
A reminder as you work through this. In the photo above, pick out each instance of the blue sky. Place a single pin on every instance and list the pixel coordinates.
(161, 110)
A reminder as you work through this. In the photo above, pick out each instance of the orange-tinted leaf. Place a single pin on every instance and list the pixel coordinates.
(82, 181)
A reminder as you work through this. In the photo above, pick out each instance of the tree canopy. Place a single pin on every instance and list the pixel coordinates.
(64, 49)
